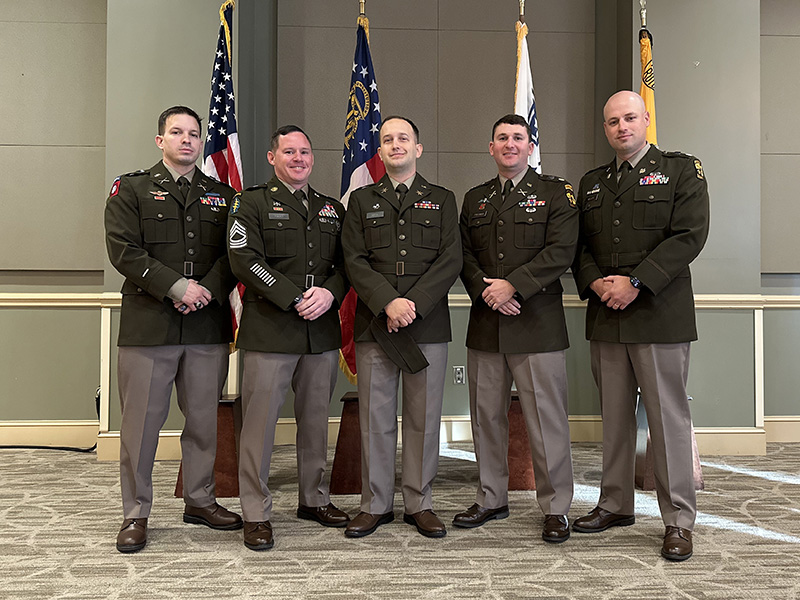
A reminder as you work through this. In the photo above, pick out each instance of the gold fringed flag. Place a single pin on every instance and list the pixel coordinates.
(524, 101)
(648, 87)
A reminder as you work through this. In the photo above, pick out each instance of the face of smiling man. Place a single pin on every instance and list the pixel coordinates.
(510, 147)
(292, 159)
(399, 149)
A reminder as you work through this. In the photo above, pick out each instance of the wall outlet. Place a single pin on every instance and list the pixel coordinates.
(459, 375)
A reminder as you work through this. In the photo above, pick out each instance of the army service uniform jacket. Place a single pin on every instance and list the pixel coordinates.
(278, 250)
(529, 239)
(651, 228)
(154, 239)
(411, 250)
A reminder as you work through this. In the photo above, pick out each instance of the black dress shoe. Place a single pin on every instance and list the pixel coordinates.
(476, 515)
(366, 523)
(427, 523)
(132, 535)
(214, 516)
(677, 544)
(556, 529)
(258, 535)
(329, 515)
(600, 520)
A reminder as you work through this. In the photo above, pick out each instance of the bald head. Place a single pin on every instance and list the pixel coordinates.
(625, 121)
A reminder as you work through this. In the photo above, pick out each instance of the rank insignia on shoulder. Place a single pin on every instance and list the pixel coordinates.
(274, 188)
(235, 203)
(699, 168)
(654, 179)
(114, 187)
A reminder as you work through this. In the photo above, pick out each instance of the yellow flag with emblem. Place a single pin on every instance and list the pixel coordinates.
(647, 89)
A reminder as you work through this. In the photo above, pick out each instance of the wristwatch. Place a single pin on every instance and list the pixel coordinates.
(299, 299)
(636, 283)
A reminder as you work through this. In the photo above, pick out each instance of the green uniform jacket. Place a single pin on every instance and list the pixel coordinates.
(278, 252)
(411, 251)
(530, 241)
(651, 228)
(154, 239)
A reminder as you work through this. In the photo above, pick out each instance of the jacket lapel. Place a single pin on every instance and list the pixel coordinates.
(419, 189)
(160, 176)
(385, 190)
(285, 197)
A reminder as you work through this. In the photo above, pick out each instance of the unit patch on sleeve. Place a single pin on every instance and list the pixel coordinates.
(235, 203)
(114, 188)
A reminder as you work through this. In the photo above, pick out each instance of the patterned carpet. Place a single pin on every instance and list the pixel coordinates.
(59, 514)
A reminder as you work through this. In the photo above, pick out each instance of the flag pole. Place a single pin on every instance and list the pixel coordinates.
(643, 13)
(521, 11)
(361, 4)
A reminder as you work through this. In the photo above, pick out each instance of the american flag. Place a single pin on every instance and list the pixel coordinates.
(221, 156)
(361, 164)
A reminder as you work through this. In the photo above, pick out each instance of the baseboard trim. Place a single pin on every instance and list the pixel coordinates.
(711, 441)
(74, 434)
(783, 429)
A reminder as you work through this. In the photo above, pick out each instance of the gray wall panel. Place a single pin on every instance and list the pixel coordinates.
(540, 15)
(409, 14)
(62, 228)
(781, 375)
(780, 213)
(49, 363)
(780, 17)
(47, 70)
(780, 88)
(722, 381)
(47, 11)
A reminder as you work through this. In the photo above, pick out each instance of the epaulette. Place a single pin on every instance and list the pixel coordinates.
(600, 168)
(136, 173)
(485, 183)
(679, 155)
(552, 178)
(256, 187)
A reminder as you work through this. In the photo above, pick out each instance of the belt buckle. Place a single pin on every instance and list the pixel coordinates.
(400, 268)
(309, 281)
(188, 268)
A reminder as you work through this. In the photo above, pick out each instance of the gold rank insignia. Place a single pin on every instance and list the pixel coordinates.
(273, 189)
(699, 168)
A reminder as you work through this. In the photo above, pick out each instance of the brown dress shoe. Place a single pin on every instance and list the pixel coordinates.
(366, 523)
(600, 520)
(677, 544)
(329, 515)
(214, 516)
(258, 535)
(427, 523)
(476, 515)
(556, 529)
(132, 535)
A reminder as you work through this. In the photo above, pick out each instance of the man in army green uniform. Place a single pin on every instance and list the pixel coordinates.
(644, 218)
(518, 233)
(403, 253)
(165, 232)
(284, 244)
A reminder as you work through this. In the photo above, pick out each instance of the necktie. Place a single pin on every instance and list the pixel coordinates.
(183, 186)
(301, 197)
(401, 191)
(507, 188)
(624, 169)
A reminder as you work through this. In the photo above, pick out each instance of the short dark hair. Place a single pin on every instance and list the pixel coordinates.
(414, 128)
(176, 110)
(285, 130)
(513, 120)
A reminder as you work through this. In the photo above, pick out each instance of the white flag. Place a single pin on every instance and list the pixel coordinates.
(524, 102)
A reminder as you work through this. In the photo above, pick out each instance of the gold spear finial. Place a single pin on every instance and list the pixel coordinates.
(361, 4)
(643, 13)
(521, 11)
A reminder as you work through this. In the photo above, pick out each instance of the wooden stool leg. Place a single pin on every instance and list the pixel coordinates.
(346, 470)
(520, 462)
